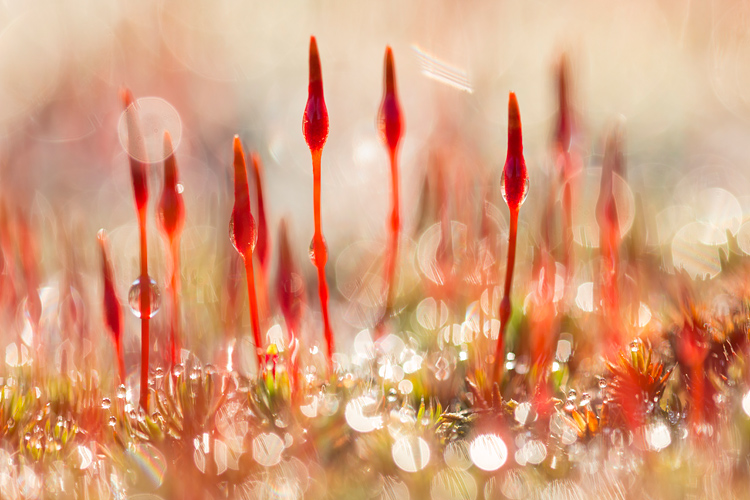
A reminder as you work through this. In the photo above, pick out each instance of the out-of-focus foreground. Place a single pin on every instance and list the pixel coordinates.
(613, 364)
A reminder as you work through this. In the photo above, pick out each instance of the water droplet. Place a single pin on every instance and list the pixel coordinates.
(177, 370)
(442, 368)
(210, 369)
(159, 372)
(585, 399)
(602, 383)
(572, 395)
(392, 396)
(122, 391)
(324, 253)
(635, 345)
(112, 421)
(525, 189)
(106, 403)
(134, 296)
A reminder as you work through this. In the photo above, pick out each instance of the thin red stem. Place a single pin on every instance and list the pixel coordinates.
(394, 232)
(174, 342)
(254, 317)
(145, 296)
(505, 305)
(320, 253)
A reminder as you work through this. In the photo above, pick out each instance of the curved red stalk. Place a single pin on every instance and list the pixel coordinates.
(391, 125)
(563, 140)
(262, 248)
(171, 217)
(29, 260)
(290, 292)
(112, 307)
(609, 239)
(244, 235)
(139, 177)
(315, 129)
(515, 186)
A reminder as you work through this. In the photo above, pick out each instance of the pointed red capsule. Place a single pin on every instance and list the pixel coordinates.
(137, 149)
(290, 288)
(564, 129)
(112, 309)
(515, 185)
(262, 247)
(171, 209)
(390, 120)
(315, 118)
(242, 229)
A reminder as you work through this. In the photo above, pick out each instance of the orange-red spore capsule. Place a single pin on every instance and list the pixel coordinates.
(315, 118)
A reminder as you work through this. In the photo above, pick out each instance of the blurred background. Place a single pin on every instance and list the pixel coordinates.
(677, 71)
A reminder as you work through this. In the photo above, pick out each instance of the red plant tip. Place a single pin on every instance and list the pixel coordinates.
(112, 309)
(290, 288)
(390, 121)
(262, 245)
(126, 96)
(315, 72)
(136, 149)
(315, 119)
(242, 229)
(171, 208)
(515, 176)
(563, 134)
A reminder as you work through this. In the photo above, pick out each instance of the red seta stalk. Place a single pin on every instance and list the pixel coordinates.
(112, 307)
(609, 240)
(515, 187)
(391, 125)
(171, 218)
(315, 129)
(139, 175)
(244, 235)
(263, 247)
(290, 292)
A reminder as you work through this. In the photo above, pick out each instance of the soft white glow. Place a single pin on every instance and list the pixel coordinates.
(359, 414)
(411, 453)
(658, 436)
(488, 452)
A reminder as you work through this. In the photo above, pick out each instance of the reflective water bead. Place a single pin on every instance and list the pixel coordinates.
(134, 296)
(524, 195)
(324, 252)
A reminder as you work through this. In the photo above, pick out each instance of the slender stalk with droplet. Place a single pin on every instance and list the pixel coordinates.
(171, 218)
(391, 126)
(139, 176)
(244, 235)
(515, 187)
(315, 130)
(112, 307)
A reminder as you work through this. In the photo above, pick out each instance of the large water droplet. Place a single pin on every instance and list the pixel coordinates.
(134, 296)
(106, 403)
(324, 253)
(525, 193)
